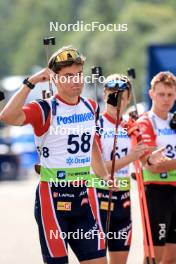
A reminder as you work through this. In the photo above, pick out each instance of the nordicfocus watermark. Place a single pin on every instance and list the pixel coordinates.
(89, 27)
(60, 130)
(77, 78)
(92, 182)
(92, 234)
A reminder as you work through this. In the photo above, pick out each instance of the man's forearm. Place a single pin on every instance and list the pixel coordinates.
(119, 163)
(13, 109)
(165, 166)
(12, 113)
(98, 164)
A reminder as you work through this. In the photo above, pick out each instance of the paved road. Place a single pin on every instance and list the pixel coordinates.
(18, 231)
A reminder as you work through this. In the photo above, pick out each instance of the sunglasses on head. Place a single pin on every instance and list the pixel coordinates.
(67, 55)
(120, 85)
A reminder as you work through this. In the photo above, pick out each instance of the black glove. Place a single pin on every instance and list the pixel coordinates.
(113, 98)
(173, 121)
(2, 97)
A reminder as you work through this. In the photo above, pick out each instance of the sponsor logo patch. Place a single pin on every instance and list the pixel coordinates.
(61, 175)
(64, 206)
(104, 206)
(163, 175)
(84, 201)
(126, 204)
(55, 194)
(76, 118)
(99, 195)
(162, 231)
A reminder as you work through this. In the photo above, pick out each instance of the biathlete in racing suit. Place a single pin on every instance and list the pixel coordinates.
(64, 127)
(160, 181)
(120, 231)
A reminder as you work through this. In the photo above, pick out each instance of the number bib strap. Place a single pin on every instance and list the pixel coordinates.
(165, 177)
(64, 174)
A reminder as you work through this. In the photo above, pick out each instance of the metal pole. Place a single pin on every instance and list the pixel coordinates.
(48, 42)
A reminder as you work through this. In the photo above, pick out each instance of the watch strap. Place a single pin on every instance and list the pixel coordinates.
(28, 83)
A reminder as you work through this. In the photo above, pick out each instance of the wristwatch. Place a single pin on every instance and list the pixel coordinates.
(28, 83)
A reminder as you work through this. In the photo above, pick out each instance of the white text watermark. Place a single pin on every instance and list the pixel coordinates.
(93, 26)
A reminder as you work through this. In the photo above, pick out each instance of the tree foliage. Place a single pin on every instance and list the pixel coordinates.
(24, 23)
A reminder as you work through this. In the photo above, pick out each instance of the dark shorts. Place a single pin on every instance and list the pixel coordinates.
(120, 231)
(161, 201)
(64, 215)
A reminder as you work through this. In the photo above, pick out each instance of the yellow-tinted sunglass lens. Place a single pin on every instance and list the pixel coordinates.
(66, 55)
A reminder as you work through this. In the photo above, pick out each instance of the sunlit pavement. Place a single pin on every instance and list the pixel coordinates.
(19, 242)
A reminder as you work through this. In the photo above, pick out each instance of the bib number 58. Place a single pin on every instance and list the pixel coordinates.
(75, 145)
